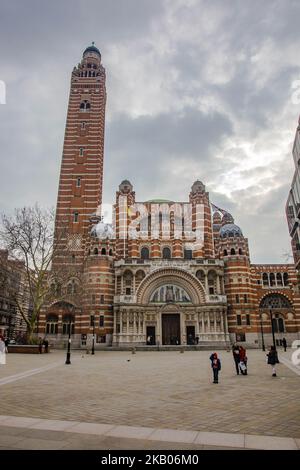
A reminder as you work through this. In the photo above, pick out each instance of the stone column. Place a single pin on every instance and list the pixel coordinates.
(206, 284)
(115, 327)
(215, 321)
(127, 325)
(218, 284)
(134, 326)
(202, 322)
(133, 283)
(197, 325)
(121, 326)
(122, 284)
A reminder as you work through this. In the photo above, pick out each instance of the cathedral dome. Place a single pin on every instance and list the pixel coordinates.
(230, 230)
(92, 48)
(102, 231)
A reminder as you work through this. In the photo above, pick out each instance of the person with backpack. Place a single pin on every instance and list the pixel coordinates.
(216, 367)
(243, 361)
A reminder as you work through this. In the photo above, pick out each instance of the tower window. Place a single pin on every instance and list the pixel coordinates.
(83, 125)
(248, 319)
(78, 182)
(188, 254)
(75, 216)
(103, 251)
(245, 298)
(81, 151)
(145, 253)
(101, 299)
(166, 253)
(237, 298)
(101, 321)
(85, 105)
(238, 320)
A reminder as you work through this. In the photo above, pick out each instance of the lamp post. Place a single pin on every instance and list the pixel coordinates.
(68, 359)
(262, 334)
(272, 325)
(93, 343)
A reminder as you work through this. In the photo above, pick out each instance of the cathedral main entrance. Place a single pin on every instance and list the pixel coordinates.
(170, 328)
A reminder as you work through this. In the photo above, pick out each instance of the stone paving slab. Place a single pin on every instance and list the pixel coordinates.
(141, 437)
(159, 390)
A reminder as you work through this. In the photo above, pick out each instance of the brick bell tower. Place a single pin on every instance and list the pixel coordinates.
(81, 174)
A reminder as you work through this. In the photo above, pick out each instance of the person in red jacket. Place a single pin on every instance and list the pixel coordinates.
(243, 360)
(216, 367)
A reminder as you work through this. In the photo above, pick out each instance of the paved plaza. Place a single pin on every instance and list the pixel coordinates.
(116, 399)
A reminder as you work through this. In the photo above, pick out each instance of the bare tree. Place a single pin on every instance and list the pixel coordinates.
(28, 236)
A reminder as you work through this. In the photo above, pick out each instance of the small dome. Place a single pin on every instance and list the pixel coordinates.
(227, 219)
(230, 230)
(125, 186)
(92, 48)
(102, 231)
(198, 186)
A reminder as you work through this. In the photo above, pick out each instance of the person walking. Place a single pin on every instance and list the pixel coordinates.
(216, 367)
(46, 344)
(273, 360)
(2, 351)
(284, 344)
(40, 345)
(243, 361)
(236, 357)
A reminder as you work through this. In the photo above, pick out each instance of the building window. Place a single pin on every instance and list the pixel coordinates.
(128, 290)
(52, 325)
(285, 279)
(68, 321)
(102, 299)
(103, 251)
(145, 253)
(225, 253)
(240, 251)
(75, 217)
(78, 182)
(237, 298)
(272, 279)
(101, 321)
(85, 106)
(238, 320)
(232, 251)
(166, 254)
(248, 319)
(92, 320)
(110, 252)
(188, 254)
(81, 151)
(83, 125)
(278, 324)
(265, 279)
(245, 298)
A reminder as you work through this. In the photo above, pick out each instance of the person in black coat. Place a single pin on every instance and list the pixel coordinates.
(236, 357)
(273, 360)
(284, 344)
(216, 367)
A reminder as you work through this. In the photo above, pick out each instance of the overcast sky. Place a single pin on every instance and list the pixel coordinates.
(196, 90)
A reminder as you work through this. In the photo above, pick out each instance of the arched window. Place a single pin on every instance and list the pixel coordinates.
(166, 254)
(225, 253)
(285, 279)
(85, 105)
(272, 279)
(103, 251)
(232, 251)
(96, 251)
(145, 252)
(275, 301)
(110, 252)
(200, 275)
(52, 325)
(68, 321)
(128, 276)
(265, 279)
(279, 279)
(212, 277)
(72, 287)
(240, 251)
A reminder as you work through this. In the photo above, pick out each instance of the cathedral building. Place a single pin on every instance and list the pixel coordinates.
(164, 273)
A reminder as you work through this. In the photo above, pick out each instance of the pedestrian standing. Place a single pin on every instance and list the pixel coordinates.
(216, 367)
(2, 351)
(40, 345)
(284, 344)
(273, 360)
(236, 357)
(243, 361)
